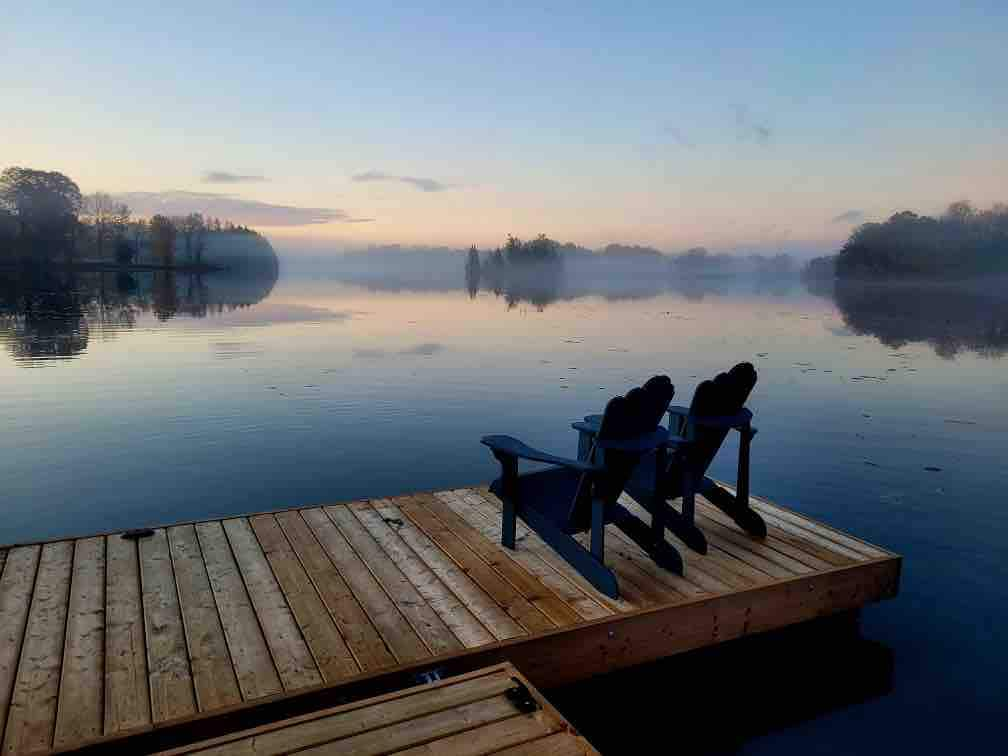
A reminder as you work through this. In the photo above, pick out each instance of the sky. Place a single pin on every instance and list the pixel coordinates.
(736, 126)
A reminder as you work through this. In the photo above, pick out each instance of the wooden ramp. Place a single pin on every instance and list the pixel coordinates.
(203, 628)
(493, 710)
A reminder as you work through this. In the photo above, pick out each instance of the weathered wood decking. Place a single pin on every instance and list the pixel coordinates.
(467, 715)
(253, 616)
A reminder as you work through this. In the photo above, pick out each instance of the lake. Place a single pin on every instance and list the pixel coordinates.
(130, 401)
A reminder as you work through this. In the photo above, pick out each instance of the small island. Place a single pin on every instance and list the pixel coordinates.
(962, 243)
(47, 223)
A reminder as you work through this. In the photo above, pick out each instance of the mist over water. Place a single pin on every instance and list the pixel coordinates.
(881, 410)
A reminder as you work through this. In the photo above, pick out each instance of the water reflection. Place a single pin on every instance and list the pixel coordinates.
(952, 318)
(737, 692)
(47, 315)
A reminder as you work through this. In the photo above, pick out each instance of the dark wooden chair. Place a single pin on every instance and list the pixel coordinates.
(696, 435)
(574, 496)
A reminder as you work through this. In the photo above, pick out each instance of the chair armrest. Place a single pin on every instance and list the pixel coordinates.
(509, 446)
(739, 421)
(590, 425)
(644, 443)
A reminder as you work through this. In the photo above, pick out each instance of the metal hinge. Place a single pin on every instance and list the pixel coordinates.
(521, 697)
(133, 535)
(429, 676)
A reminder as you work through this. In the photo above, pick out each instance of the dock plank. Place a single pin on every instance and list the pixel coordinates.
(763, 548)
(213, 673)
(558, 744)
(865, 549)
(80, 711)
(773, 519)
(731, 573)
(528, 540)
(507, 597)
(16, 585)
(804, 553)
(105, 635)
(360, 635)
(634, 582)
(493, 617)
(440, 724)
(399, 635)
(171, 684)
(489, 738)
(320, 632)
(580, 601)
(31, 720)
(524, 582)
(336, 724)
(127, 691)
(663, 586)
(294, 661)
(435, 636)
(453, 612)
(256, 673)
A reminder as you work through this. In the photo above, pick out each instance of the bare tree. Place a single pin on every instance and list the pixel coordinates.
(106, 217)
(193, 229)
(162, 232)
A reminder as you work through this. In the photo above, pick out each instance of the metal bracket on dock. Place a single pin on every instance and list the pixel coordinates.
(135, 535)
(521, 697)
(430, 676)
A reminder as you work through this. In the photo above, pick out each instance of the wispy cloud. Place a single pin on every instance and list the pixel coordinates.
(233, 208)
(851, 216)
(418, 182)
(750, 129)
(678, 136)
(224, 177)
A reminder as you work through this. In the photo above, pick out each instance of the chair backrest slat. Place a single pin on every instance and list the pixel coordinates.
(626, 417)
(725, 395)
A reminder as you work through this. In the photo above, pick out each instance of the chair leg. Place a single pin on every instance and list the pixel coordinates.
(577, 556)
(509, 523)
(663, 553)
(658, 519)
(682, 528)
(507, 493)
(684, 525)
(688, 496)
(735, 507)
(598, 530)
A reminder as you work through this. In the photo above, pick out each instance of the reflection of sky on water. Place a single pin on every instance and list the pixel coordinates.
(328, 392)
(321, 369)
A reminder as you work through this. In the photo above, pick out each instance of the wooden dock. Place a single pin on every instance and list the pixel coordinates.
(204, 628)
(492, 710)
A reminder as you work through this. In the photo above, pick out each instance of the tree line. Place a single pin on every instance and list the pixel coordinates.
(44, 217)
(961, 242)
(528, 269)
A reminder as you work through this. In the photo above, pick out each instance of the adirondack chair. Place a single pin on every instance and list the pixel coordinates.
(696, 434)
(573, 496)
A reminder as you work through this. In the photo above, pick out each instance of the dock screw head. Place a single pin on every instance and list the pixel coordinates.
(612, 634)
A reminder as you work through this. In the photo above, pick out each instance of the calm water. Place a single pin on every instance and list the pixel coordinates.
(884, 412)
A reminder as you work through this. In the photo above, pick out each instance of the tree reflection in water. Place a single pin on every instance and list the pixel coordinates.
(968, 316)
(53, 316)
